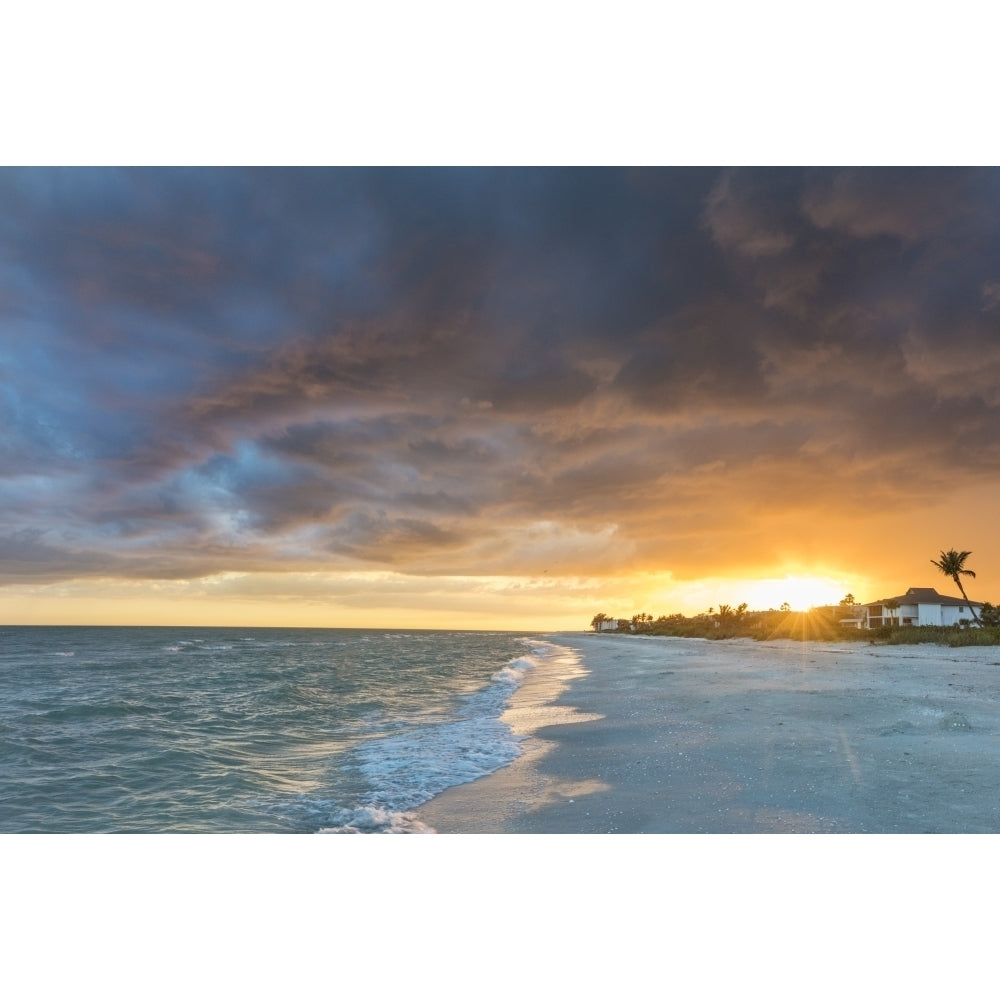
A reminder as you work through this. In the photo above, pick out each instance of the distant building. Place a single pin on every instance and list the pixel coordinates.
(608, 625)
(918, 606)
(845, 615)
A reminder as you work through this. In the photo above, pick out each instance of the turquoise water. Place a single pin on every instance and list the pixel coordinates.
(247, 730)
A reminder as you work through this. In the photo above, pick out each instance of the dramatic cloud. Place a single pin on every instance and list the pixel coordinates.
(463, 374)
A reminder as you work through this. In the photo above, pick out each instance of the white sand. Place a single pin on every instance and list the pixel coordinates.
(692, 736)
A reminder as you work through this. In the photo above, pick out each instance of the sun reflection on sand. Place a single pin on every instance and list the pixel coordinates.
(852, 760)
(562, 791)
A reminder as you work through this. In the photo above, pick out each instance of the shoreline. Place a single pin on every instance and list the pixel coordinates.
(664, 735)
(489, 803)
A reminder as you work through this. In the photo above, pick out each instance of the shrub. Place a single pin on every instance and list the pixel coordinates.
(976, 637)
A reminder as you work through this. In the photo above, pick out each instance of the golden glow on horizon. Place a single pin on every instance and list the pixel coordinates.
(800, 592)
(395, 600)
(306, 600)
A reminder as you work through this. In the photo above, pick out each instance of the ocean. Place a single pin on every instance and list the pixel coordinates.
(237, 730)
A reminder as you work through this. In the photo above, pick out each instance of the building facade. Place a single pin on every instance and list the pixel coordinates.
(918, 606)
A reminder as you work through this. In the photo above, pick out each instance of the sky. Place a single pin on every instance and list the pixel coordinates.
(491, 398)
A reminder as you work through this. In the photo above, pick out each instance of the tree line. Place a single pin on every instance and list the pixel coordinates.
(728, 621)
(725, 622)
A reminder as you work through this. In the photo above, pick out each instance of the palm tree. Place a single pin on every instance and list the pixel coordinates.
(952, 564)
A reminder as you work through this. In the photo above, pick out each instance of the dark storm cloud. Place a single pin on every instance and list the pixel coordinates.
(709, 355)
(441, 369)
(26, 555)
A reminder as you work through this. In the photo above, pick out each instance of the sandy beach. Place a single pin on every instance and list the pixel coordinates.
(660, 735)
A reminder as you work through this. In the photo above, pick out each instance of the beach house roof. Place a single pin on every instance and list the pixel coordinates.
(925, 595)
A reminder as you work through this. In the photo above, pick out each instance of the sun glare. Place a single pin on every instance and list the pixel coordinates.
(799, 592)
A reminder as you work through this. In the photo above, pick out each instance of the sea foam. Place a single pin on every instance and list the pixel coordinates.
(407, 769)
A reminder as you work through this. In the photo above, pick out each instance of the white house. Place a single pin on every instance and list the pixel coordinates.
(607, 625)
(918, 606)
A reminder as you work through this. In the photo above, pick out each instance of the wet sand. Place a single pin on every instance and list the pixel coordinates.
(691, 736)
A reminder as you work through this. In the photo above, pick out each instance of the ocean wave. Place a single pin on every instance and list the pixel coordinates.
(369, 819)
(117, 709)
(159, 729)
(407, 769)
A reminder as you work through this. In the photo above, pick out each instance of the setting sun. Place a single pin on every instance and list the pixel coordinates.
(799, 592)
